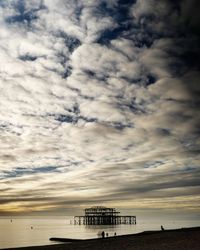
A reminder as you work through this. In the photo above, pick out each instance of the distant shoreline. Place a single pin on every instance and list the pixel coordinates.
(184, 239)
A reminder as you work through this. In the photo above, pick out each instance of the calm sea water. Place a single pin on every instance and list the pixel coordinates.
(33, 231)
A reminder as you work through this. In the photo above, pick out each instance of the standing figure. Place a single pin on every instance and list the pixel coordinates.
(162, 228)
(103, 234)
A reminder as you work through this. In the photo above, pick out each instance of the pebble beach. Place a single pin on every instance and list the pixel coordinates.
(184, 239)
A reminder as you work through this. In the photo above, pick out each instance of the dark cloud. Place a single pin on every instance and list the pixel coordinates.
(27, 58)
(23, 13)
(20, 171)
(70, 42)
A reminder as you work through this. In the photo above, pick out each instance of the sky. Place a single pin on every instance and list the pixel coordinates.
(99, 105)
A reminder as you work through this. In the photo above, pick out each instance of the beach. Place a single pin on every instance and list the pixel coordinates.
(184, 239)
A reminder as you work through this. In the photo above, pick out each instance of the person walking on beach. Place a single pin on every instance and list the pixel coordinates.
(103, 234)
(162, 228)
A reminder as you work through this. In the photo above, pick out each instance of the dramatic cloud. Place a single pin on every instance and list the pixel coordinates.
(99, 104)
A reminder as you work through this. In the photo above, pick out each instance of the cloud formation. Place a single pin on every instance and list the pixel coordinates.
(99, 104)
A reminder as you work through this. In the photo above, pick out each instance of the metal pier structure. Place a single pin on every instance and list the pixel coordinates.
(103, 216)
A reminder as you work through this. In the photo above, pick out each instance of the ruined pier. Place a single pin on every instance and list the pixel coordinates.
(103, 216)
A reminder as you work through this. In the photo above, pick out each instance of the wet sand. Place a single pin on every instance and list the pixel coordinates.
(183, 239)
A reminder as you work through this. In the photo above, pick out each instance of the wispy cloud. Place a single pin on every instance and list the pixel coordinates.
(99, 104)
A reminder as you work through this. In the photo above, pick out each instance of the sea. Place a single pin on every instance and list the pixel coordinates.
(36, 230)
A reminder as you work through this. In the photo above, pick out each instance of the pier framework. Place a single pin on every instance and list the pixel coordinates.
(103, 216)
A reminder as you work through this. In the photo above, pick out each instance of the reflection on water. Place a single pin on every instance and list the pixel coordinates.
(19, 231)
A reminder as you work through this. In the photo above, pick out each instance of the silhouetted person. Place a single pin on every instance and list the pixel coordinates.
(103, 234)
(106, 234)
(162, 228)
(115, 234)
